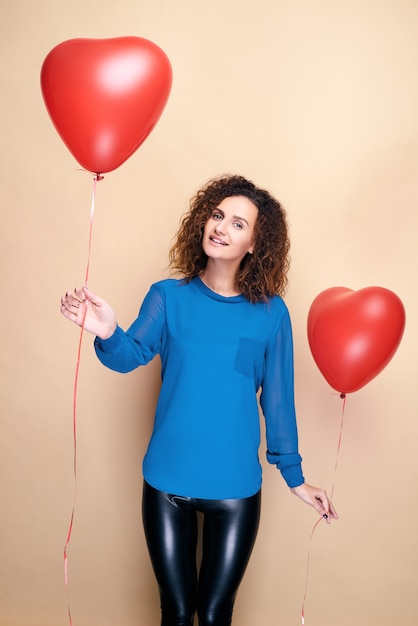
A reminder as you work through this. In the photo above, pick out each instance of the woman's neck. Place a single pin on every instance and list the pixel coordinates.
(221, 280)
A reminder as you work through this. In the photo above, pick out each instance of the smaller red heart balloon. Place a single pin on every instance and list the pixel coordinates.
(354, 334)
(104, 96)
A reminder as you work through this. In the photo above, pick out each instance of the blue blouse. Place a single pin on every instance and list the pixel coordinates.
(216, 353)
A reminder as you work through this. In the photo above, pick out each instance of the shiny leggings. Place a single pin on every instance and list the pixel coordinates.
(229, 531)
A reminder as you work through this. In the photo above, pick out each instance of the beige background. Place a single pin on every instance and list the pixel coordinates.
(315, 100)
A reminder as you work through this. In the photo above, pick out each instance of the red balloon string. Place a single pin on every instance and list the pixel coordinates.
(76, 377)
(343, 397)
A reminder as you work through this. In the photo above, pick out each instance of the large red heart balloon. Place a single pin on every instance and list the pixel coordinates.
(354, 334)
(104, 96)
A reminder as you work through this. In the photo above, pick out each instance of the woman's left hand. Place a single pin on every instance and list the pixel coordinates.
(317, 498)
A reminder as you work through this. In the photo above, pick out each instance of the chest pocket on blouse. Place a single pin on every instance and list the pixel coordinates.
(249, 358)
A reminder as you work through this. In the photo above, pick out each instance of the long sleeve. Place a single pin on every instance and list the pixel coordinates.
(125, 351)
(277, 403)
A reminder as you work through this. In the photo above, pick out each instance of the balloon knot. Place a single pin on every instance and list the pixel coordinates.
(342, 396)
(98, 177)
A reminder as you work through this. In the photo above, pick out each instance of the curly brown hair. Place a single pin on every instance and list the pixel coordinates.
(262, 274)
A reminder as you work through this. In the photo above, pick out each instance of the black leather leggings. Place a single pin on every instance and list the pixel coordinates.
(229, 531)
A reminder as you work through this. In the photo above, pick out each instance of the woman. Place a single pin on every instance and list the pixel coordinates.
(223, 333)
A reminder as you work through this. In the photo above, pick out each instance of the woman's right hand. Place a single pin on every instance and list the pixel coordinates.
(86, 309)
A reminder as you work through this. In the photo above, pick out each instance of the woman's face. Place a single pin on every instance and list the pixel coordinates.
(229, 232)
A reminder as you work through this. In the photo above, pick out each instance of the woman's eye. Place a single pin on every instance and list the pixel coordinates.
(238, 225)
(217, 216)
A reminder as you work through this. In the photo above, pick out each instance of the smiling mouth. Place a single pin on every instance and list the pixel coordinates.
(218, 241)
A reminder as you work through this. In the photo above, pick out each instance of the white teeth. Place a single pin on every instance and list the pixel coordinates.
(218, 241)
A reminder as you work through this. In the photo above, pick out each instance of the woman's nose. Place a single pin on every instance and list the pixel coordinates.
(219, 228)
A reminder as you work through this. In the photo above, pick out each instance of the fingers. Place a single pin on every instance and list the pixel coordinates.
(72, 305)
(92, 297)
(80, 293)
(321, 504)
(73, 299)
(318, 499)
(325, 507)
(332, 512)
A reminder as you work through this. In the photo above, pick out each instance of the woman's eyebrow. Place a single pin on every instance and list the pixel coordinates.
(234, 217)
(241, 219)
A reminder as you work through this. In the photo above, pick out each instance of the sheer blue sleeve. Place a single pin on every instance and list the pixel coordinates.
(278, 406)
(125, 351)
